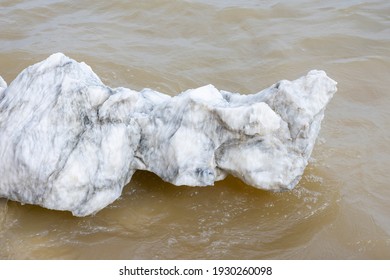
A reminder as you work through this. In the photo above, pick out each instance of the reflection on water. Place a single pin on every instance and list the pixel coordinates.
(340, 208)
(154, 219)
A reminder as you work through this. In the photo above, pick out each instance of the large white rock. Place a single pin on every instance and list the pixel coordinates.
(68, 142)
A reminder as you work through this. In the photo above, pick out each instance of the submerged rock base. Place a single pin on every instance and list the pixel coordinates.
(68, 142)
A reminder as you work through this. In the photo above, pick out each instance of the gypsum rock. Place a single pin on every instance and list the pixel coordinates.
(68, 142)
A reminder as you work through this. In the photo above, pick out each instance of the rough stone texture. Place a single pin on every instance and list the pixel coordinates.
(68, 142)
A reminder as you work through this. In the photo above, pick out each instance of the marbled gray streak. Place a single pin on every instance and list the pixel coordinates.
(68, 142)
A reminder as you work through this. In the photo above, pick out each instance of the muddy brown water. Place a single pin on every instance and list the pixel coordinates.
(341, 207)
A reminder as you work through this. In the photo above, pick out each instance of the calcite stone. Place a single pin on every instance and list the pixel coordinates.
(69, 142)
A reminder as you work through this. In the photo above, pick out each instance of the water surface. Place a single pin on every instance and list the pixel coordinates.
(339, 210)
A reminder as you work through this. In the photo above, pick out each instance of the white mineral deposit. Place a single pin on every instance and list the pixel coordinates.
(69, 142)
